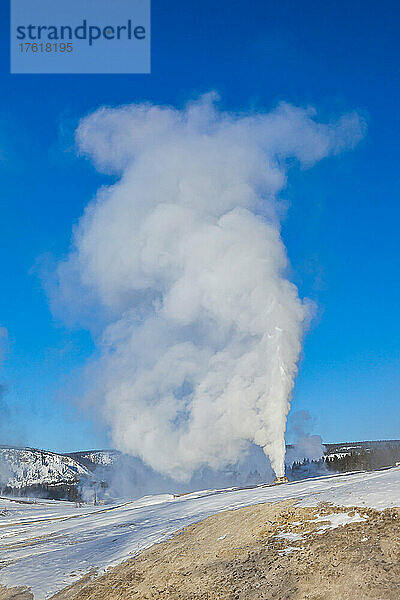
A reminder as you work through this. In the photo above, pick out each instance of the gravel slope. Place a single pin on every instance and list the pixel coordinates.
(268, 551)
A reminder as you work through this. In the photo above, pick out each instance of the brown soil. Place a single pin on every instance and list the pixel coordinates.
(16, 593)
(235, 555)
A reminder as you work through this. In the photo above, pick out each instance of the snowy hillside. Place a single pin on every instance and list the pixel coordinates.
(48, 545)
(23, 467)
(94, 458)
(101, 457)
(28, 471)
(340, 450)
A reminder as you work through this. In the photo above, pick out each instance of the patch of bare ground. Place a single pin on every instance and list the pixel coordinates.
(267, 551)
(16, 593)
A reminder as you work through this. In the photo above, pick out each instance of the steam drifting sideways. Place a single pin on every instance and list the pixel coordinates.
(183, 256)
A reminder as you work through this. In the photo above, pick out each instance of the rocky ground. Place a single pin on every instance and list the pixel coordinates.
(268, 551)
(16, 593)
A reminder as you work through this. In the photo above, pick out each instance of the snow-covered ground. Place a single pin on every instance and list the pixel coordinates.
(48, 545)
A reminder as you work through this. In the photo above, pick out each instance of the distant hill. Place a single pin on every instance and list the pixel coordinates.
(93, 458)
(357, 447)
(362, 456)
(31, 471)
(25, 471)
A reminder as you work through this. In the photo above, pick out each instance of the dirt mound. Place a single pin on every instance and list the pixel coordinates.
(16, 593)
(268, 551)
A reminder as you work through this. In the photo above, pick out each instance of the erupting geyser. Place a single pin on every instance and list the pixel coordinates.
(183, 256)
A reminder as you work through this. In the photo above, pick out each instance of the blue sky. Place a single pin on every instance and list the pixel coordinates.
(341, 230)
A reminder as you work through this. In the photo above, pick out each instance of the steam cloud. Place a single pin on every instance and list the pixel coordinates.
(305, 445)
(183, 254)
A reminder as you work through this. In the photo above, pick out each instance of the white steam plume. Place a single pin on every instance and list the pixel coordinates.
(184, 255)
